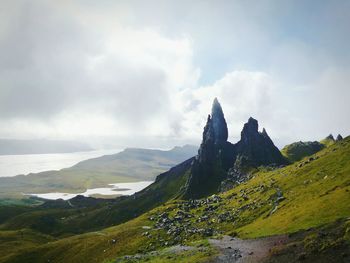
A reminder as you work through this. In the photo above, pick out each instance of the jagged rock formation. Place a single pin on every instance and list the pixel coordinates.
(218, 123)
(214, 155)
(339, 137)
(256, 148)
(329, 140)
(330, 137)
(217, 156)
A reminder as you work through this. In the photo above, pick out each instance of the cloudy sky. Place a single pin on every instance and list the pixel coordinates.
(144, 73)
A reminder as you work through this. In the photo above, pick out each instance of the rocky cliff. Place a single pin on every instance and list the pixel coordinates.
(214, 157)
(217, 157)
(256, 148)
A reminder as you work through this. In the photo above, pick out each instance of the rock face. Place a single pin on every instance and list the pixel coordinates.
(256, 148)
(218, 123)
(330, 137)
(216, 155)
(339, 137)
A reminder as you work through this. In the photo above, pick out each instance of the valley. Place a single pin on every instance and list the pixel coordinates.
(266, 213)
(130, 165)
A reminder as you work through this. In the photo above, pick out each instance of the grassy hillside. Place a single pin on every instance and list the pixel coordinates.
(128, 166)
(328, 141)
(325, 244)
(79, 215)
(298, 150)
(14, 242)
(307, 194)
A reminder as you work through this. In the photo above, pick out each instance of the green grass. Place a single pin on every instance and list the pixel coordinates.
(195, 252)
(20, 202)
(13, 243)
(316, 193)
(327, 142)
(298, 150)
(325, 244)
(65, 221)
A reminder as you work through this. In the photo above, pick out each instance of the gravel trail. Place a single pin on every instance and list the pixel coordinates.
(245, 251)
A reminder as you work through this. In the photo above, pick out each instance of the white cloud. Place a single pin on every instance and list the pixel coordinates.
(84, 69)
(241, 93)
(72, 76)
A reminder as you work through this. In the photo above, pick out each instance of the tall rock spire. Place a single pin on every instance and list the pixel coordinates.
(209, 167)
(218, 123)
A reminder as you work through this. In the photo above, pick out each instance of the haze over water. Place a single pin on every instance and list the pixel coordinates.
(12, 165)
(114, 189)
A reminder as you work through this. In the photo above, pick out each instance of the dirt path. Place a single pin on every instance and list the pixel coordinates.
(245, 251)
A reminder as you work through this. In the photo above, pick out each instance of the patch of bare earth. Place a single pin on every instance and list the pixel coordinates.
(245, 251)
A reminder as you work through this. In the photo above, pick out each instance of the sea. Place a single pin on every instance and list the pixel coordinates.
(12, 165)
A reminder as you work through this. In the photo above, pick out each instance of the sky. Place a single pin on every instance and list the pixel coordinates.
(145, 73)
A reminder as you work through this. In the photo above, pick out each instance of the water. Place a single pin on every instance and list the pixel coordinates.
(115, 189)
(12, 165)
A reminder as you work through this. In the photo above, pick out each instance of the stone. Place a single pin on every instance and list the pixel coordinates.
(219, 163)
(214, 156)
(330, 137)
(218, 123)
(256, 148)
(339, 138)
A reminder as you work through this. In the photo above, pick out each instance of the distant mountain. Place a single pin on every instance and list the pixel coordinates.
(11, 146)
(138, 163)
(130, 165)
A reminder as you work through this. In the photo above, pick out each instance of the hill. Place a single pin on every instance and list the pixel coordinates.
(298, 150)
(231, 201)
(292, 199)
(129, 165)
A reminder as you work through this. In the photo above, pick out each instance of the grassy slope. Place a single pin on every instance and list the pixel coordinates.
(298, 150)
(56, 220)
(325, 244)
(127, 166)
(14, 242)
(316, 193)
(327, 142)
